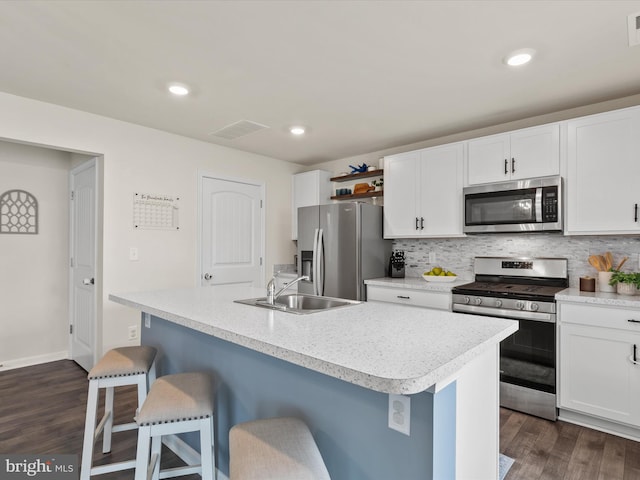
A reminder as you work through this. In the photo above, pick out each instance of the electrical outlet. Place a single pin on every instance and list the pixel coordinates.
(400, 413)
(133, 254)
(147, 320)
(133, 332)
(432, 257)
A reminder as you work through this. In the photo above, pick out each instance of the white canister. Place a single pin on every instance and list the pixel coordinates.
(603, 282)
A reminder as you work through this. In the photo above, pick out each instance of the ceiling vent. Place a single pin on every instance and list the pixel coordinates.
(238, 129)
(633, 21)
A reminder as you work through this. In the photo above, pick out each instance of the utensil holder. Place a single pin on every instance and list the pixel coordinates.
(603, 282)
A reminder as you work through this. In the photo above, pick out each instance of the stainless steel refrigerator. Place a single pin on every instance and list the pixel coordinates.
(339, 246)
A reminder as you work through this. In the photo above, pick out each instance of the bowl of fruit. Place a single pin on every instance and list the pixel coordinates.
(439, 274)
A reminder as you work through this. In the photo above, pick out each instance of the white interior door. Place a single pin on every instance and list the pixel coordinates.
(83, 264)
(232, 238)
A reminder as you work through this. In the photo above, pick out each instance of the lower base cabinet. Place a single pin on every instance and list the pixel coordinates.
(598, 375)
(405, 296)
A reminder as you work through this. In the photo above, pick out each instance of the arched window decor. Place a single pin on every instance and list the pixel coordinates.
(18, 212)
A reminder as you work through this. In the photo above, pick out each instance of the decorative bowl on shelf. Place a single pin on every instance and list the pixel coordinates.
(439, 278)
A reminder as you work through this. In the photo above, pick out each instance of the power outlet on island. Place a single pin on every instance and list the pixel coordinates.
(432, 258)
(400, 413)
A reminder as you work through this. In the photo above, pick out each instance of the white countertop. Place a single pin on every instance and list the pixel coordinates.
(598, 298)
(383, 347)
(416, 283)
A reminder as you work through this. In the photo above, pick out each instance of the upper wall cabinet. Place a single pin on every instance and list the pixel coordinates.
(423, 193)
(603, 173)
(527, 153)
(308, 188)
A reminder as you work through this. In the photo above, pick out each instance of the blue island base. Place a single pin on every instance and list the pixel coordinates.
(348, 422)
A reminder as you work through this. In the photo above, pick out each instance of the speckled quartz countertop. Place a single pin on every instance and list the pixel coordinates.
(416, 283)
(598, 298)
(383, 347)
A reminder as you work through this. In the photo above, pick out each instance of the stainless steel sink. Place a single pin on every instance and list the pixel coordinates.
(299, 303)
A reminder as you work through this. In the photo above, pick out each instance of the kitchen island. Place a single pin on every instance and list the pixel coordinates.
(335, 370)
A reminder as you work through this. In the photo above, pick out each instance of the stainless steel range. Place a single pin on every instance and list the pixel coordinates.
(522, 289)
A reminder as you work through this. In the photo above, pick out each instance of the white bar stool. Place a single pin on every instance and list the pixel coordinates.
(177, 403)
(118, 367)
(274, 448)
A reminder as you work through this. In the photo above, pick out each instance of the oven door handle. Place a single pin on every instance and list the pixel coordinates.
(512, 314)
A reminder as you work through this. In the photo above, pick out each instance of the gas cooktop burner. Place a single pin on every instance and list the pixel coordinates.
(513, 290)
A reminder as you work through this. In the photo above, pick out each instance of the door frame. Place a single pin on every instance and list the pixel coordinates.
(97, 310)
(201, 176)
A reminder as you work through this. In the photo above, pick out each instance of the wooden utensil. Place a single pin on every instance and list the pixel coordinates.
(595, 262)
(608, 257)
(621, 263)
(603, 263)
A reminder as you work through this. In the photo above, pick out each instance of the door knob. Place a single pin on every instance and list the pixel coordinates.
(207, 276)
(88, 281)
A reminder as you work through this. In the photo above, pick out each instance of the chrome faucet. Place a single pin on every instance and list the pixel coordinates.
(272, 295)
(271, 289)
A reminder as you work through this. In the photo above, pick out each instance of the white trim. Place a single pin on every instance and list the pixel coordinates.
(186, 452)
(263, 192)
(603, 425)
(35, 360)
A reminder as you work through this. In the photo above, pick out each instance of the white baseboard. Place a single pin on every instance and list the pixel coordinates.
(186, 453)
(600, 424)
(35, 360)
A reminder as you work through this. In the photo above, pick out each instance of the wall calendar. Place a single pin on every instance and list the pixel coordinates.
(158, 212)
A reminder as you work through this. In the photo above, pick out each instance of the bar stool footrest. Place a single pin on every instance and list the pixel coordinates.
(180, 471)
(113, 467)
(123, 427)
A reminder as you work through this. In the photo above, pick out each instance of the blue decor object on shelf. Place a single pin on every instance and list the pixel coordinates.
(359, 169)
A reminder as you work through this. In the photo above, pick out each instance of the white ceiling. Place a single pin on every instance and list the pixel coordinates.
(361, 75)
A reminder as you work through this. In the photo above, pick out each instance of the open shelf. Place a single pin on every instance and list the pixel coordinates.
(355, 176)
(358, 195)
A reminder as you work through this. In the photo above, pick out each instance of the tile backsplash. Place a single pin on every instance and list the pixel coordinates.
(457, 254)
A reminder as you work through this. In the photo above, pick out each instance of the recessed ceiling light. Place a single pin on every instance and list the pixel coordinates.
(297, 130)
(179, 90)
(519, 57)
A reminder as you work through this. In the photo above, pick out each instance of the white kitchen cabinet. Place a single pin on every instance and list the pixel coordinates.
(423, 193)
(406, 296)
(597, 374)
(526, 153)
(307, 189)
(603, 171)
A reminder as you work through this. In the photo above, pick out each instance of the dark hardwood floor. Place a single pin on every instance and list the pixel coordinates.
(42, 410)
(545, 450)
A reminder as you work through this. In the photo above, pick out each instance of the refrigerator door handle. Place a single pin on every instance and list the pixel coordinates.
(320, 276)
(314, 273)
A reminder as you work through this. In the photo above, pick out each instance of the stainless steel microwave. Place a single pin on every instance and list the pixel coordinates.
(532, 205)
